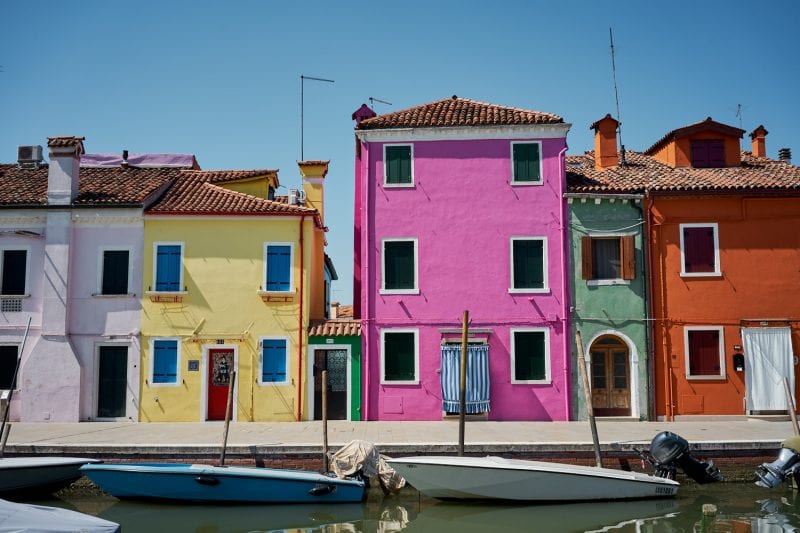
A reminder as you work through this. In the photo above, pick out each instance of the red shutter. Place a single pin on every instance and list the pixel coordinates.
(704, 353)
(586, 258)
(628, 257)
(698, 249)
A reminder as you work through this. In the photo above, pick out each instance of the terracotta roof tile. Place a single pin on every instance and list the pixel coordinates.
(66, 141)
(222, 176)
(703, 125)
(642, 173)
(455, 111)
(335, 328)
(345, 311)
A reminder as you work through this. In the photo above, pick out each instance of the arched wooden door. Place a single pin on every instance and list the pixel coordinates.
(611, 383)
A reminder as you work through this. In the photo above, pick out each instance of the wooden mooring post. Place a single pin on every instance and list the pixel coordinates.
(587, 394)
(462, 389)
(324, 421)
(228, 411)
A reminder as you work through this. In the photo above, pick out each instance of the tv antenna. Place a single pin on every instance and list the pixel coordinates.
(616, 97)
(739, 114)
(372, 101)
(302, 104)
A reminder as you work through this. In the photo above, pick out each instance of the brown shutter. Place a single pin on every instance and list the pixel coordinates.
(586, 258)
(628, 258)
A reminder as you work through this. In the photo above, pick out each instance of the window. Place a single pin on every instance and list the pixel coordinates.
(274, 361)
(526, 163)
(704, 352)
(399, 357)
(165, 362)
(8, 365)
(528, 264)
(530, 355)
(608, 258)
(278, 267)
(708, 154)
(13, 271)
(397, 167)
(169, 267)
(399, 266)
(699, 250)
(115, 272)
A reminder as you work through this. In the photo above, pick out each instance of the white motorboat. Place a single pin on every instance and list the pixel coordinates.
(20, 517)
(25, 475)
(496, 478)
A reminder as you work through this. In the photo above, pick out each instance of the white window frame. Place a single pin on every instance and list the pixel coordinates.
(178, 358)
(155, 267)
(101, 256)
(609, 281)
(722, 369)
(383, 289)
(261, 340)
(717, 270)
(545, 262)
(415, 331)
(291, 267)
(514, 182)
(548, 376)
(398, 185)
(27, 250)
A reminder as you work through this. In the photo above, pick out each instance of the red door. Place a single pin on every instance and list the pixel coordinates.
(220, 364)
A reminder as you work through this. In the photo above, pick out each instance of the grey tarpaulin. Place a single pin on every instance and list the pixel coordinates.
(360, 455)
(18, 517)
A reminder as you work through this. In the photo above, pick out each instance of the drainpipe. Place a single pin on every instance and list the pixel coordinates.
(564, 294)
(366, 224)
(648, 291)
(300, 331)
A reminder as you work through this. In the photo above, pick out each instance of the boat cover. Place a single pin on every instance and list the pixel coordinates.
(362, 456)
(20, 517)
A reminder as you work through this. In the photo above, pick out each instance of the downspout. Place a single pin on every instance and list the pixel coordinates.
(300, 330)
(366, 225)
(566, 331)
(648, 291)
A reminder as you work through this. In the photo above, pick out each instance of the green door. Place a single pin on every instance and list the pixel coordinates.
(113, 383)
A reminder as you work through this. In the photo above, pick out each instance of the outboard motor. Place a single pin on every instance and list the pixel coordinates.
(669, 451)
(770, 475)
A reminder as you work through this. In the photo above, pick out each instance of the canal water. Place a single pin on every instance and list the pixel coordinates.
(739, 508)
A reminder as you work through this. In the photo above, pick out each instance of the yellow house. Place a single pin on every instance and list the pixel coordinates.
(232, 277)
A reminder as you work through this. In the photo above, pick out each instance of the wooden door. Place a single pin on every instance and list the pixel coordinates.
(220, 365)
(335, 362)
(112, 384)
(611, 388)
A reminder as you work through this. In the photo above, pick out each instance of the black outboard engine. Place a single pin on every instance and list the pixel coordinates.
(669, 451)
(770, 475)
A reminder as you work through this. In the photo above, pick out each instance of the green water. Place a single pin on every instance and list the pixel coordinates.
(739, 508)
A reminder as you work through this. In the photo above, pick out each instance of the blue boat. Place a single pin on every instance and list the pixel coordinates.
(224, 484)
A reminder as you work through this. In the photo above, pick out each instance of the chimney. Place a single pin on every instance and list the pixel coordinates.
(64, 169)
(334, 310)
(363, 113)
(313, 174)
(759, 141)
(124, 159)
(785, 155)
(605, 142)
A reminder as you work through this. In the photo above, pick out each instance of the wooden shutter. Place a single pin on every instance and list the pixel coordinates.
(399, 265)
(115, 272)
(704, 353)
(165, 362)
(279, 268)
(526, 162)
(586, 258)
(529, 356)
(273, 361)
(168, 265)
(628, 257)
(698, 252)
(398, 164)
(528, 264)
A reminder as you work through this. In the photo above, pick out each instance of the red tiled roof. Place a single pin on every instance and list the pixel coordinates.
(455, 111)
(222, 176)
(335, 328)
(642, 173)
(66, 141)
(703, 125)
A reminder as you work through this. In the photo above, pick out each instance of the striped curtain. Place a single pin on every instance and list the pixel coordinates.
(477, 378)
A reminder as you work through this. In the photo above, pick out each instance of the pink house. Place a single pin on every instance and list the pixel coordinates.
(458, 206)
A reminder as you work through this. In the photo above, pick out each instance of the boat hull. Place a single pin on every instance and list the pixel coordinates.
(496, 478)
(235, 484)
(25, 476)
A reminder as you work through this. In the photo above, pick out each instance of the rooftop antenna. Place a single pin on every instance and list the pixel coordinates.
(616, 96)
(372, 101)
(302, 105)
(739, 114)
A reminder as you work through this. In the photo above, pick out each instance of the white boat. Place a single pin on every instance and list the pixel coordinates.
(496, 478)
(20, 517)
(40, 475)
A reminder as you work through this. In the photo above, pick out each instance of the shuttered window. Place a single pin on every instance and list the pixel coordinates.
(699, 249)
(397, 165)
(273, 361)
(8, 365)
(168, 267)
(115, 272)
(279, 267)
(704, 352)
(604, 258)
(399, 265)
(528, 263)
(708, 154)
(14, 268)
(526, 161)
(165, 361)
(399, 356)
(530, 356)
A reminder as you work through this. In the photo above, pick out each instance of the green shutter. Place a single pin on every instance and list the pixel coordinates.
(526, 162)
(528, 264)
(529, 356)
(399, 265)
(398, 164)
(398, 356)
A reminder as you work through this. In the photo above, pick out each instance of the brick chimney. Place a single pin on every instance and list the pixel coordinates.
(64, 169)
(759, 141)
(313, 173)
(605, 142)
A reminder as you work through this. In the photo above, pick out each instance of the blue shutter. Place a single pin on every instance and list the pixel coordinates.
(279, 268)
(273, 361)
(165, 362)
(168, 268)
(477, 378)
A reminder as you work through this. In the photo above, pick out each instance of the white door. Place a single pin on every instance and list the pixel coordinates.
(768, 359)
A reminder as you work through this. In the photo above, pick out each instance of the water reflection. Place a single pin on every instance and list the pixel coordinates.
(739, 508)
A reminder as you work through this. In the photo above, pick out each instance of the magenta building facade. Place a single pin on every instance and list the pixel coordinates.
(459, 207)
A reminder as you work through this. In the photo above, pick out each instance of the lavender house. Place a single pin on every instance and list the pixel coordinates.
(458, 206)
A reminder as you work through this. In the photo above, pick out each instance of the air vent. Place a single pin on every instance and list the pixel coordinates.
(29, 155)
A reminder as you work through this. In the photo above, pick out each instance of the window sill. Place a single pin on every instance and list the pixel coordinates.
(388, 383)
(14, 296)
(276, 296)
(603, 282)
(399, 291)
(532, 382)
(526, 183)
(529, 291)
(127, 295)
(701, 274)
(706, 378)
(274, 383)
(166, 296)
(398, 185)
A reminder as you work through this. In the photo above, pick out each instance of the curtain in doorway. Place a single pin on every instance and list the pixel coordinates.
(477, 378)
(768, 359)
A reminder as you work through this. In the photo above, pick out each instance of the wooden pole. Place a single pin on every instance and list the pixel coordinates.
(790, 405)
(587, 394)
(462, 388)
(324, 421)
(5, 426)
(228, 411)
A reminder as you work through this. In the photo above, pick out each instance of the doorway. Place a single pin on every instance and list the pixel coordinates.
(112, 381)
(611, 383)
(768, 360)
(220, 364)
(335, 362)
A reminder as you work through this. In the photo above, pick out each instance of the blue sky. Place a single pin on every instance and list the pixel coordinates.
(221, 80)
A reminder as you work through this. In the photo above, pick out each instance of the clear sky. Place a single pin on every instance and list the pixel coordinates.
(221, 79)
